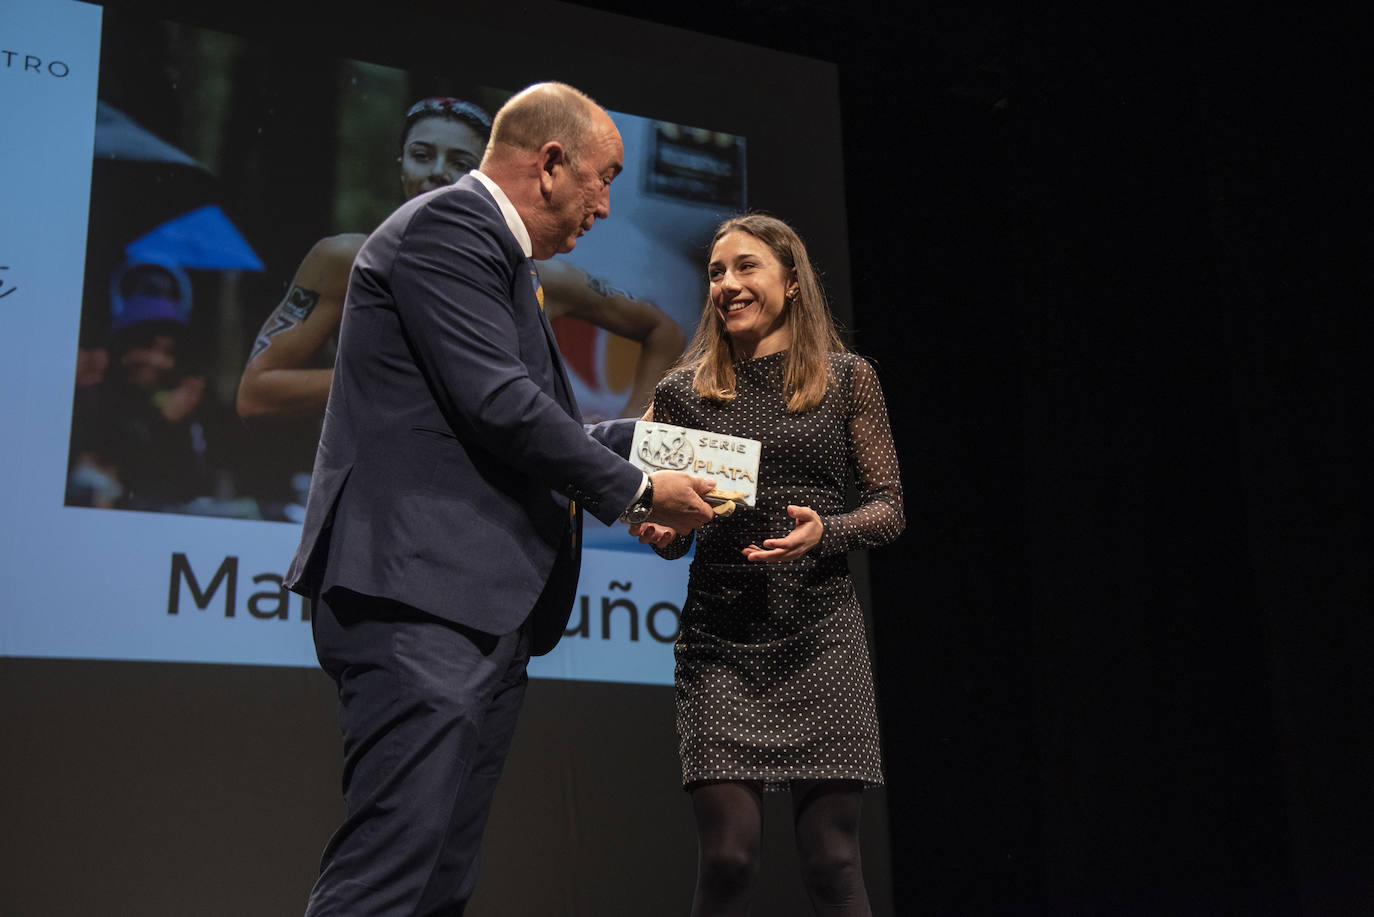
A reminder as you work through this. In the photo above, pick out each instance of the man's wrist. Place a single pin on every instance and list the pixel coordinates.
(642, 505)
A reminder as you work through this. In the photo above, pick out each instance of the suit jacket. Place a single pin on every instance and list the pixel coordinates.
(451, 442)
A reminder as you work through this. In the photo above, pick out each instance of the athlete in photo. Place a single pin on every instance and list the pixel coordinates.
(290, 368)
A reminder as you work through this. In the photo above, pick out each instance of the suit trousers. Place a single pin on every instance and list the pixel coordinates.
(427, 709)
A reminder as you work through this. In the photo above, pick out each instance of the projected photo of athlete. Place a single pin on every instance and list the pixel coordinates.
(290, 368)
(291, 365)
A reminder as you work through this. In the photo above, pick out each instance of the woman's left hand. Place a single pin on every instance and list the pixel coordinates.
(805, 536)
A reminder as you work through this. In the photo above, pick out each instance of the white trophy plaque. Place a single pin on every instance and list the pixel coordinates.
(733, 461)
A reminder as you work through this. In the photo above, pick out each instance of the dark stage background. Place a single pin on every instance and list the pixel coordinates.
(1104, 264)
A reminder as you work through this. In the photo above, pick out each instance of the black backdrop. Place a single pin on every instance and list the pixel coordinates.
(1105, 267)
(1107, 263)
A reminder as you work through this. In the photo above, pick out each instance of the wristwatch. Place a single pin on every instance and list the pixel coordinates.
(639, 510)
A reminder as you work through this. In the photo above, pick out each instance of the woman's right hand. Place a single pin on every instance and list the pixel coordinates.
(657, 536)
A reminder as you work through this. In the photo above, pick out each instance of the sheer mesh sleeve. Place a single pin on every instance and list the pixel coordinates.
(676, 548)
(878, 518)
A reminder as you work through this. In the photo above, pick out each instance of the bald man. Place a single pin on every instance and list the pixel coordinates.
(442, 536)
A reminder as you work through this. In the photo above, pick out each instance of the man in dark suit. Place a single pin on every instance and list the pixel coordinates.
(441, 541)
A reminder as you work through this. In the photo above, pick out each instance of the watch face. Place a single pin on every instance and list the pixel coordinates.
(639, 510)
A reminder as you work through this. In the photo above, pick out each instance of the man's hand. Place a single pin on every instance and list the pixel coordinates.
(805, 536)
(677, 501)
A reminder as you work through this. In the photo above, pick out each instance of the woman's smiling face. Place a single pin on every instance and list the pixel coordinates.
(750, 290)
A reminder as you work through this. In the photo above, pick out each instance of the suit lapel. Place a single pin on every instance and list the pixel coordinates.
(527, 272)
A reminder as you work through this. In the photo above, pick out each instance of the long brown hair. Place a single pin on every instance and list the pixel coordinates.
(809, 323)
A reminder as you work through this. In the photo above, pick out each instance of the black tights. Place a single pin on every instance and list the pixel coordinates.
(825, 818)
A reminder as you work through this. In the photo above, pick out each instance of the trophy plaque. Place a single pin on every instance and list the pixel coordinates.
(732, 461)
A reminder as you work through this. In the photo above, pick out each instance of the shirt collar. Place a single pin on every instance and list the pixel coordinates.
(517, 225)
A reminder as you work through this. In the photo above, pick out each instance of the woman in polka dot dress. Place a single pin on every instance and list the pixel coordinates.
(773, 681)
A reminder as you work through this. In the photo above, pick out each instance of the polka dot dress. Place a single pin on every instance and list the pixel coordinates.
(773, 679)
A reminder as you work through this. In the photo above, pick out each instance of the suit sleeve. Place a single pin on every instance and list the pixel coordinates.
(452, 282)
(616, 435)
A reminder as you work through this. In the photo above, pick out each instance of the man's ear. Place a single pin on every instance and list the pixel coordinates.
(552, 157)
